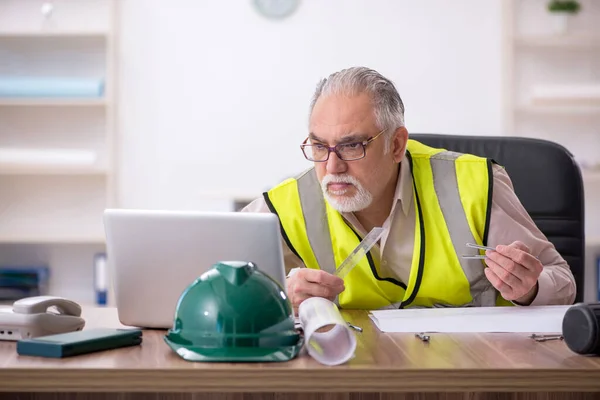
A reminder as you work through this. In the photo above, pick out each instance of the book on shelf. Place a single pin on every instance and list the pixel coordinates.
(19, 282)
(100, 279)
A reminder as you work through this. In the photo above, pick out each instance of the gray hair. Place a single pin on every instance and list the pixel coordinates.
(387, 104)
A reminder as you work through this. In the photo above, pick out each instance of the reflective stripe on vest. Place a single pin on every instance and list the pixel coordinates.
(446, 188)
(313, 206)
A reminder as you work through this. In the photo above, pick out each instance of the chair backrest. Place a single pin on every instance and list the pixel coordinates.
(546, 179)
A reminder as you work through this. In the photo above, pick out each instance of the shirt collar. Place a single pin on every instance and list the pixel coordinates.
(404, 186)
(403, 193)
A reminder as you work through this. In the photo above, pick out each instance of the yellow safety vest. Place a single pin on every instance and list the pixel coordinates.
(452, 199)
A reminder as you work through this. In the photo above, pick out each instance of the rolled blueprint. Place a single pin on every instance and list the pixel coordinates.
(327, 337)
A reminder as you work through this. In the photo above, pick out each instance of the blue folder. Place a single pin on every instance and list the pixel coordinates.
(51, 87)
(19, 282)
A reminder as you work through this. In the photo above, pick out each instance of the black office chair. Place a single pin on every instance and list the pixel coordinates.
(547, 181)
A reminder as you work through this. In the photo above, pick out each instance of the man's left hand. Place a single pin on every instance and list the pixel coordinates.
(514, 272)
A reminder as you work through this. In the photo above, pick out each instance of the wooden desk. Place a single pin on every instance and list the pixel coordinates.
(450, 366)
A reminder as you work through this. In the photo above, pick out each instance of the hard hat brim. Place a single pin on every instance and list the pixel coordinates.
(236, 354)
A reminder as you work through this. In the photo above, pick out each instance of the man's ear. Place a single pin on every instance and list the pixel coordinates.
(399, 142)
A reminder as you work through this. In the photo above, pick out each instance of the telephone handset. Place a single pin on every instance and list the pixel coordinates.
(39, 316)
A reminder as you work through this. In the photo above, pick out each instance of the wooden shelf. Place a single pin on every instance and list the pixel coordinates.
(592, 176)
(43, 102)
(572, 41)
(42, 239)
(60, 210)
(53, 34)
(592, 241)
(559, 110)
(53, 193)
(52, 170)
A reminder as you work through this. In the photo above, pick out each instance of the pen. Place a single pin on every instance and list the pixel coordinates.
(422, 336)
(476, 246)
(479, 256)
(544, 338)
(356, 328)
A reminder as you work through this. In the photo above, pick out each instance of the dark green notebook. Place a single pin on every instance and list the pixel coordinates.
(80, 342)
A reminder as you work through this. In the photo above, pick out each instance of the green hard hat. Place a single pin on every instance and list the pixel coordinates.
(234, 312)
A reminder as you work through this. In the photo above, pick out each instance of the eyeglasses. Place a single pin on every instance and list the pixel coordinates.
(345, 151)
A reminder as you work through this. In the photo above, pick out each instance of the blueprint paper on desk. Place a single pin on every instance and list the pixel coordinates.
(531, 319)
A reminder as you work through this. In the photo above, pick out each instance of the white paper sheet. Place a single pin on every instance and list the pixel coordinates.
(532, 319)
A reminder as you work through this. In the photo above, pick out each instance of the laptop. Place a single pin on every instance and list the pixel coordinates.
(154, 256)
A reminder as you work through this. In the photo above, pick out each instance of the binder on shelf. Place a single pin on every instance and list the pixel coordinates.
(100, 278)
(19, 282)
(51, 87)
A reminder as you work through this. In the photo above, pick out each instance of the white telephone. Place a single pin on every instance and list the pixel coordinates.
(39, 316)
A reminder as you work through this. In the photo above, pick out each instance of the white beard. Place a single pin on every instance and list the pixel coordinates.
(342, 203)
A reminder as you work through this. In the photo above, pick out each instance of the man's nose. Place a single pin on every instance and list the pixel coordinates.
(335, 165)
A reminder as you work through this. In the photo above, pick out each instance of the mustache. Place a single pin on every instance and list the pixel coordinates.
(339, 179)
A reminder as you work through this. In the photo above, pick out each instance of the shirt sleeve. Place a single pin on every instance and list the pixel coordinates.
(290, 260)
(509, 222)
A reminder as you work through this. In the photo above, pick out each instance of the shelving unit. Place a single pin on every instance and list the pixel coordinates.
(48, 202)
(536, 55)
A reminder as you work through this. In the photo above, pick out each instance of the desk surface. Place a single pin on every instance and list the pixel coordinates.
(383, 362)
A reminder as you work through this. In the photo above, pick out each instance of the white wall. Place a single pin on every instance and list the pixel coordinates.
(214, 97)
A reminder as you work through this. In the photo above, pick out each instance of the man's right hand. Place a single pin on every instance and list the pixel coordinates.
(307, 282)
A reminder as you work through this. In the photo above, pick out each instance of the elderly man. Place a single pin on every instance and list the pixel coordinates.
(430, 202)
